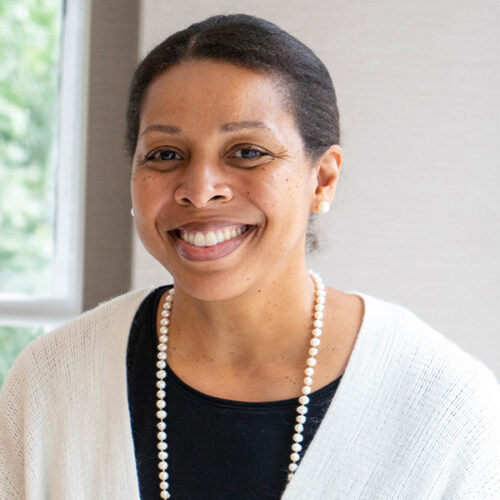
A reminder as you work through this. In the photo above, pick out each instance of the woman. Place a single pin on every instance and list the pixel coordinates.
(276, 385)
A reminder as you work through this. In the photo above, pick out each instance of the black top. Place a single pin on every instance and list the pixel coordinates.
(218, 448)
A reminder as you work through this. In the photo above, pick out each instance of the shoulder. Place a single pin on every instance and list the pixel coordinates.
(416, 359)
(438, 394)
(73, 340)
(95, 321)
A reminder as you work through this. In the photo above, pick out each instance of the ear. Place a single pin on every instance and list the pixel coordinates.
(327, 176)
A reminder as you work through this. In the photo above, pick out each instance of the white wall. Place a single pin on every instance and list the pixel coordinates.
(416, 217)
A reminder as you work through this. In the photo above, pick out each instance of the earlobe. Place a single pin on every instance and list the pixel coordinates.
(328, 171)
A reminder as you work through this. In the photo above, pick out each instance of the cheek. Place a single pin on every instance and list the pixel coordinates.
(147, 190)
(285, 190)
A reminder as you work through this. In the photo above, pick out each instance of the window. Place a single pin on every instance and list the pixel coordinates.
(43, 48)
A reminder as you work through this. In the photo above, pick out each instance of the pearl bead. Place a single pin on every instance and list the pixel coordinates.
(296, 447)
(294, 457)
(290, 475)
(292, 467)
(164, 329)
(318, 323)
(317, 332)
(311, 361)
(315, 342)
(161, 414)
(301, 419)
(162, 455)
(306, 390)
(161, 425)
(162, 446)
(162, 355)
(299, 428)
(163, 475)
(313, 351)
(161, 373)
(164, 321)
(161, 404)
(318, 315)
(304, 400)
(166, 314)
(164, 485)
(164, 494)
(308, 381)
(298, 438)
(164, 338)
(320, 300)
(161, 394)
(302, 409)
(161, 384)
(319, 307)
(162, 347)
(161, 364)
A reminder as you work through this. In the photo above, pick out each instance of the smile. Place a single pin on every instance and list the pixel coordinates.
(210, 245)
(211, 238)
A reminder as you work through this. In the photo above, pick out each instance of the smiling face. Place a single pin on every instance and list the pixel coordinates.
(221, 187)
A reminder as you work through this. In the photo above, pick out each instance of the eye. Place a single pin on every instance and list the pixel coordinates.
(163, 155)
(249, 153)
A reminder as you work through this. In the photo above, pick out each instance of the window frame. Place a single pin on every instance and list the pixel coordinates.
(65, 301)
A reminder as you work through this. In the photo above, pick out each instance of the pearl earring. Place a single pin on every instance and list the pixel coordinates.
(132, 212)
(323, 207)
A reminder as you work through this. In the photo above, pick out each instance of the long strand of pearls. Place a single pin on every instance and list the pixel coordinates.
(311, 362)
(303, 400)
(161, 404)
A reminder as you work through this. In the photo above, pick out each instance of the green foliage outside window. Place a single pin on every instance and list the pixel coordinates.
(29, 74)
(29, 78)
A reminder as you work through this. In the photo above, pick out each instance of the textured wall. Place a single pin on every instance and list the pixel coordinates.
(113, 56)
(416, 216)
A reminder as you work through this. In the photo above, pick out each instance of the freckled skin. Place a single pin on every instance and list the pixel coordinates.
(198, 97)
(246, 303)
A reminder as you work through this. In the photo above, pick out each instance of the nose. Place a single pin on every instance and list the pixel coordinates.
(203, 183)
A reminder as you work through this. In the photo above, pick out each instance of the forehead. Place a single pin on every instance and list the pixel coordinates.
(206, 90)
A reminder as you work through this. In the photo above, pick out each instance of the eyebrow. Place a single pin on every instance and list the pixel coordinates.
(225, 127)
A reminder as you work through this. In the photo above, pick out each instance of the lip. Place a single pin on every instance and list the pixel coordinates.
(214, 252)
(209, 226)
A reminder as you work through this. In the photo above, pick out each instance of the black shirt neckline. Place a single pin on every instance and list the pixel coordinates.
(318, 394)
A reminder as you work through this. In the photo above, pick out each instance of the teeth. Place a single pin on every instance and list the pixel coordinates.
(199, 239)
(210, 238)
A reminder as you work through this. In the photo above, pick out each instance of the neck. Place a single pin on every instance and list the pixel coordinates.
(271, 319)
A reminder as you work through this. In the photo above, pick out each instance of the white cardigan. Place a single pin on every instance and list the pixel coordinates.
(414, 417)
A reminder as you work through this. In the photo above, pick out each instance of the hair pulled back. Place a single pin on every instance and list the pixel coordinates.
(255, 44)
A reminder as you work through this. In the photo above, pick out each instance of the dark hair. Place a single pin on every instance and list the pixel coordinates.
(255, 44)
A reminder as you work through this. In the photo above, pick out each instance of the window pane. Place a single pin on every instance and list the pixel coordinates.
(12, 341)
(29, 73)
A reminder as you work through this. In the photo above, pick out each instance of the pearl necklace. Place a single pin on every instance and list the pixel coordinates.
(303, 400)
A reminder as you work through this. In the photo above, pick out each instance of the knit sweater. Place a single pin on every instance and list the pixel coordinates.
(414, 417)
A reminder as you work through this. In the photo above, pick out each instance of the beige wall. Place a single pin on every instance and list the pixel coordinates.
(108, 233)
(416, 217)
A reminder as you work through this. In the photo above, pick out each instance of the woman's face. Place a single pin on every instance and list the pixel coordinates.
(218, 154)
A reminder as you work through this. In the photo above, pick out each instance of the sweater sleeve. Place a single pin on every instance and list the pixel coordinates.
(475, 471)
(14, 406)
